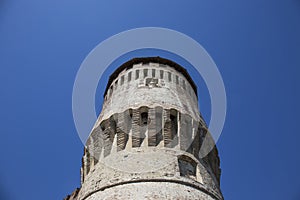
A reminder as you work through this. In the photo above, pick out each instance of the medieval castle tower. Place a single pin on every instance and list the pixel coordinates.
(146, 141)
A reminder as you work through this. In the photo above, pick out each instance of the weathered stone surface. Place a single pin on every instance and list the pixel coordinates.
(145, 143)
(151, 190)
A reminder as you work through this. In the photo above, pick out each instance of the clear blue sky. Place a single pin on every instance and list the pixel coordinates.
(255, 44)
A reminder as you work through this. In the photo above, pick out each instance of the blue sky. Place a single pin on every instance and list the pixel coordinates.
(255, 44)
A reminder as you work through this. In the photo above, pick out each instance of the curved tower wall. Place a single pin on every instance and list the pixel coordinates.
(150, 84)
(146, 141)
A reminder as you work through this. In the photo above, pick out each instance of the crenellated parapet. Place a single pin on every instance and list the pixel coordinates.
(150, 84)
(148, 138)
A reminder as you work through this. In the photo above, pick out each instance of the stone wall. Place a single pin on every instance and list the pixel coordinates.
(146, 141)
(161, 128)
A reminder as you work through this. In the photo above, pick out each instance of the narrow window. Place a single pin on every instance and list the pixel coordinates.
(174, 127)
(122, 80)
(137, 74)
(116, 84)
(145, 73)
(141, 134)
(177, 79)
(144, 118)
(102, 126)
(169, 76)
(183, 84)
(153, 73)
(161, 74)
(158, 124)
(187, 167)
(129, 76)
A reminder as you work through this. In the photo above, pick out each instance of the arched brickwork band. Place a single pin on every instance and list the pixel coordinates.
(147, 127)
(149, 131)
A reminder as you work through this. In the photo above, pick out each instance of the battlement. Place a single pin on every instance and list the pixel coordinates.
(149, 131)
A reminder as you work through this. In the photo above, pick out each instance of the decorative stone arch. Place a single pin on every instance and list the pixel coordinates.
(144, 120)
(188, 167)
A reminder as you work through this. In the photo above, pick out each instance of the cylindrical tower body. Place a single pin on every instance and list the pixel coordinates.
(146, 141)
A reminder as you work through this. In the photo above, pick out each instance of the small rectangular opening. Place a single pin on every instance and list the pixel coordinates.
(153, 72)
(122, 80)
(116, 84)
(145, 73)
(129, 76)
(187, 167)
(161, 74)
(169, 76)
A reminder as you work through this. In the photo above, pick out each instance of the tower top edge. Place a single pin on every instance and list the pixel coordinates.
(144, 60)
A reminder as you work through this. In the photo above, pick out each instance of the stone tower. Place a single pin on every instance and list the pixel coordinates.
(146, 141)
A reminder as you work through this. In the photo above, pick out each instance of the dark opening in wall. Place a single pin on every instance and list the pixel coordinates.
(111, 90)
(144, 118)
(153, 73)
(122, 80)
(151, 128)
(144, 125)
(151, 82)
(187, 167)
(169, 76)
(158, 124)
(174, 127)
(128, 121)
(102, 126)
(88, 159)
(139, 126)
(116, 84)
(161, 74)
(129, 76)
(145, 73)
(137, 74)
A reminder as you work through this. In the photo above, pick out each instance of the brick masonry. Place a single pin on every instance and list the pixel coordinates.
(145, 143)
